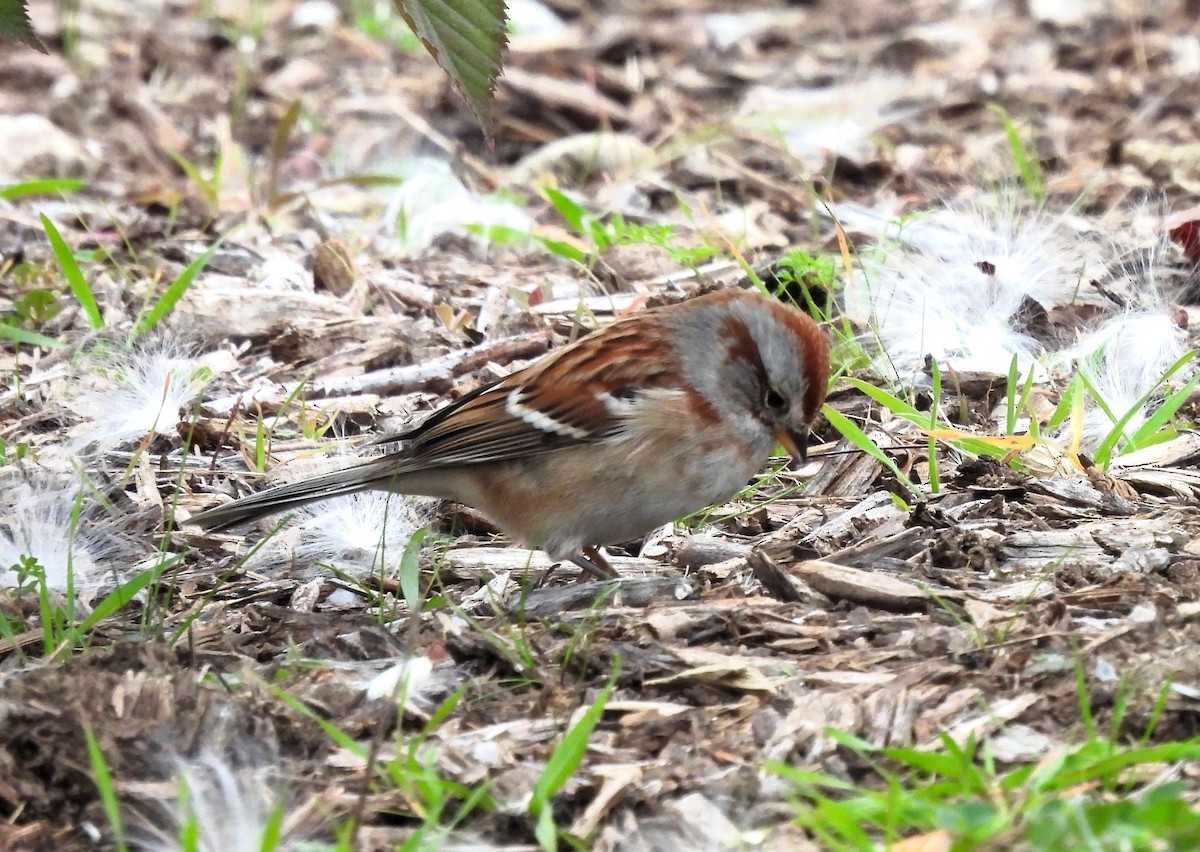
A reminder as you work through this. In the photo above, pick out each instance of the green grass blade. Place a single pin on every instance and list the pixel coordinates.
(287, 403)
(1024, 156)
(1105, 451)
(175, 291)
(563, 762)
(410, 570)
(1159, 419)
(124, 593)
(568, 753)
(900, 408)
(189, 827)
(8, 633)
(805, 777)
(1010, 412)
(562, 249)
(194, 175)
(892, 403)
(73, 274)
(331, 730)
(932, 762)
(1023, 402)
(48, 186)
(260, 447)
(571, 211)
(1085, 702)
(273, 831)
(31, 338)
(935, 407)
(1066, 404)
(858, 438)
(106, 788)
(1109, 767)
(848, 740)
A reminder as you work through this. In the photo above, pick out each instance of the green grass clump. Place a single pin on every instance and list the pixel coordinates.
(1099, 793)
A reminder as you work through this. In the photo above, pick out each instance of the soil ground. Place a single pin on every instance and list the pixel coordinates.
(733, 641)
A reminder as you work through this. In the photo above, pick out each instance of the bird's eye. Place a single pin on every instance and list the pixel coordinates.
(774, 400)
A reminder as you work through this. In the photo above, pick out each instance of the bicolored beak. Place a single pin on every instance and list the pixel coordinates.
(795, 442)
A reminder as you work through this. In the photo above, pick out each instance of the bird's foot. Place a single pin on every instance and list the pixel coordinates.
(593, 563)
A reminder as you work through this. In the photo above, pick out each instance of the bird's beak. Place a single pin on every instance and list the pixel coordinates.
(795, 442)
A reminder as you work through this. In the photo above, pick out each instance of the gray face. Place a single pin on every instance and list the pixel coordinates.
(785, 396)
(794, 358)
(756, 359)
(780, 350)
(785, 378)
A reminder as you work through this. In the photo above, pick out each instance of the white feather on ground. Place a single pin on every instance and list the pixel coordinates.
(41, 522)
(1125, 356)
(357, 534)
(128, 394)
(957, 282)
(362, 533)
(230, 808)
(74, 531)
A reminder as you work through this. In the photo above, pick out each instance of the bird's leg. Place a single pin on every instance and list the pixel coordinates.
(593, 563)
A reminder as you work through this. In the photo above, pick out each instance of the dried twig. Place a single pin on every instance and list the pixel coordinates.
(436, 374)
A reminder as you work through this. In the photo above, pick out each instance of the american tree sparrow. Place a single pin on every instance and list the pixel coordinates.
(648, 419)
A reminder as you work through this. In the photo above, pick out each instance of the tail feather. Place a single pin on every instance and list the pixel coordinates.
(294, 495)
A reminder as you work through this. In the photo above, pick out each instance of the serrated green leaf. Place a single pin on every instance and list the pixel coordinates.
(15, 25)
(466, 38)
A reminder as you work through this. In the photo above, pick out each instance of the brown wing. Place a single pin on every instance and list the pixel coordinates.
(573, 396)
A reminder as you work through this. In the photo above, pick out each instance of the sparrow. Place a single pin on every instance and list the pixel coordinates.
(648, 419)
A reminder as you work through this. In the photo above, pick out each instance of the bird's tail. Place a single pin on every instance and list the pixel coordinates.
(336, 483)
